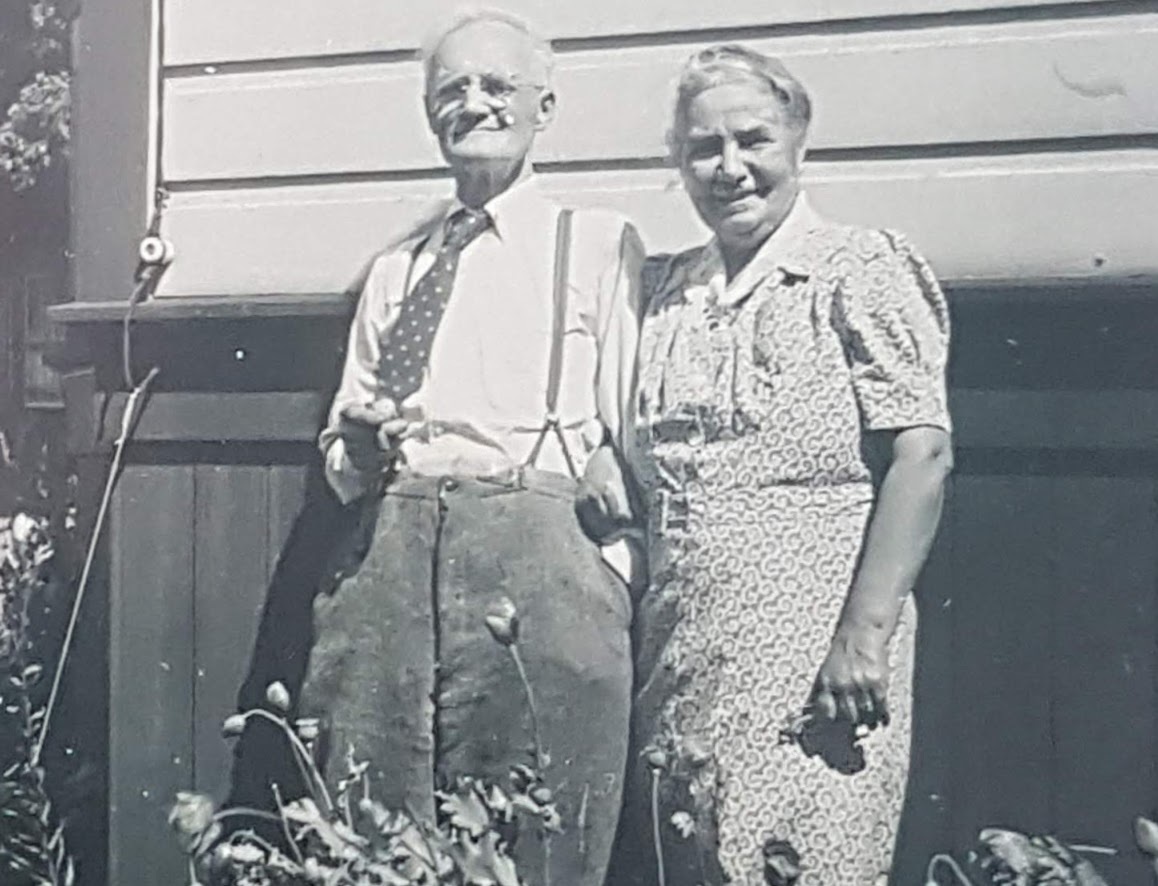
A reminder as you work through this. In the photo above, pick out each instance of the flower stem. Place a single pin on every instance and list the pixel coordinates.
(431, 861)
(540, 754)
(245, 812)
(309, 772)
(951, 863)
(289, 837)
(656, 836)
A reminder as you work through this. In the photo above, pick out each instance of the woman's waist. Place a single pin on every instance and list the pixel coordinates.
(705, 505)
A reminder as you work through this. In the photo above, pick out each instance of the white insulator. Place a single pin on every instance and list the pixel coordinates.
(155, 250)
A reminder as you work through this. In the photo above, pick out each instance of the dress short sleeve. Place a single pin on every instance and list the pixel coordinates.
(894, 321)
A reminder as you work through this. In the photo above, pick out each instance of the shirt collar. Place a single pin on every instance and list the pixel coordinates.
(521, 202)
(783, 251)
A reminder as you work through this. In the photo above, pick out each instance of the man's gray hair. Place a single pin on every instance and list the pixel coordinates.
(732, 63)
(540, 46)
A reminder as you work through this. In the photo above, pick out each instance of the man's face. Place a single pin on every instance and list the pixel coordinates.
(486, 98)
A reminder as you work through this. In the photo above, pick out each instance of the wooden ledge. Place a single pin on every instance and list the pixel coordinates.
(340, 304)
(235, 307)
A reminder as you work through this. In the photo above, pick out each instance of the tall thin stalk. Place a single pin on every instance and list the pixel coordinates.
(656, 836)
(939, 860)
(541, 758)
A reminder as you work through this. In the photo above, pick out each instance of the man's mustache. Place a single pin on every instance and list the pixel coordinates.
(456, 123)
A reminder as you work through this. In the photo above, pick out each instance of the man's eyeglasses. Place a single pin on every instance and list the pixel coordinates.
(496, 87)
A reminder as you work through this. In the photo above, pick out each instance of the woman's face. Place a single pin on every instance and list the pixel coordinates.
(740, 160)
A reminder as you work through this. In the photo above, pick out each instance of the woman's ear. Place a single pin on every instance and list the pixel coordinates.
(801, 147)
(546, 110)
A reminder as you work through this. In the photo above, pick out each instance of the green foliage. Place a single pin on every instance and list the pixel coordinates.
(36, 80)
(1009, 858)
(351, 839)
(32, 846)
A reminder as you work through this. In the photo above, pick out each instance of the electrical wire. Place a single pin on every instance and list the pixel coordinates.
(128, 422)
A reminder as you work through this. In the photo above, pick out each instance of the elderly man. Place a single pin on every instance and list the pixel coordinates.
(489, 366)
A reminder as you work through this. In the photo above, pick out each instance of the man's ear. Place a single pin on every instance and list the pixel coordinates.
(546, 110)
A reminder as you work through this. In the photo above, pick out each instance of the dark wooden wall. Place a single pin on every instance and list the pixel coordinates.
(1037, 705)
(1038, 657)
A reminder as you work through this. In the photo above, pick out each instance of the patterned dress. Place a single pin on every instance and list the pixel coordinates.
(754, 397)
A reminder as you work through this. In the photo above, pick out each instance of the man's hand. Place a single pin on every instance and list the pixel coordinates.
(603, 502)
(371, 434)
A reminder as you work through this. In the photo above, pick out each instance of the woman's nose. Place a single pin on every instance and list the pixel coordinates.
(731, 163)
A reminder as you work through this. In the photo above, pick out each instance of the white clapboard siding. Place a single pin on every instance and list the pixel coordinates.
(954, 85)
(202, 31)
(1091, 214)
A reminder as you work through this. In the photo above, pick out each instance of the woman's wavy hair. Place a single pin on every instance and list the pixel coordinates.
(732, 63)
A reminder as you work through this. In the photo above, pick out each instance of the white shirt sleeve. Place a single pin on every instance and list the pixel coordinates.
(619, 300)
(359, 384)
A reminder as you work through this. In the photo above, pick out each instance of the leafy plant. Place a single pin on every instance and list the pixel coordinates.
(1009, 858)
(348, 838)
(36, 126)
(32, 845)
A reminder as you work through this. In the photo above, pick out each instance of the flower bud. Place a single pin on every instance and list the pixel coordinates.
(307, 728)
(1146, 836)
(541, 794)
(503, 622)
(278, 696)
(655, 757)
(233, 726)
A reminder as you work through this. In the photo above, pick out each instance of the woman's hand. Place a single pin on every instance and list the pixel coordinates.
(853, 680)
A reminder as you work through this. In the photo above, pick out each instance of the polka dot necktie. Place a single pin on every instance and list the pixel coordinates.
(405, 347)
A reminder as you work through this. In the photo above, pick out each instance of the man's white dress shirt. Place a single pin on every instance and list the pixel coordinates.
(483, 401)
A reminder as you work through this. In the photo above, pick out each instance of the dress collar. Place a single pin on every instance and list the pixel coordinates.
(784, 251)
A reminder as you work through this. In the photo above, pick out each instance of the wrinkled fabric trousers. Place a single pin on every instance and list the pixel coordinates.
(404, 670)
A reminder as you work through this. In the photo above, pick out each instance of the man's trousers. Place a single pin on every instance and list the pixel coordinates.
(405, 671)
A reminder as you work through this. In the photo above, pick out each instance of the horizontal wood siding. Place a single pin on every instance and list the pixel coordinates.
(928, 86)
(1087, 214)
(228, 30)
(1007, 139)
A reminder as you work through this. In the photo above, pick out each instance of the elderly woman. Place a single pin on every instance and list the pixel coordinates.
(793, 446)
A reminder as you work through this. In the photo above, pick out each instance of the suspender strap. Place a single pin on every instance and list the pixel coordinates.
(558, 329)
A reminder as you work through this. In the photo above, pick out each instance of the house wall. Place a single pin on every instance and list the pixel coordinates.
(1008, 139)
(1014, 141)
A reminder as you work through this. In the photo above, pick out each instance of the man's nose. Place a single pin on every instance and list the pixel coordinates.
(475, 100)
